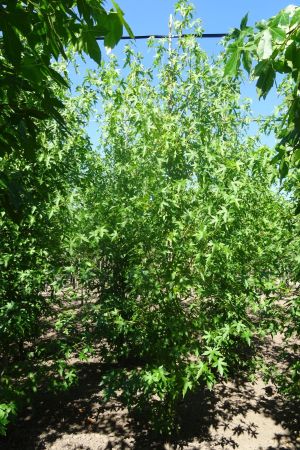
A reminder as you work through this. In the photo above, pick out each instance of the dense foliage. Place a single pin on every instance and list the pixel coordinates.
(36, 228)
(33, 33)
(40, 162)
(174, 235)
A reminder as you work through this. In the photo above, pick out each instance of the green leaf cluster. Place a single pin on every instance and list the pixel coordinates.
(270, 49)
(33, 34)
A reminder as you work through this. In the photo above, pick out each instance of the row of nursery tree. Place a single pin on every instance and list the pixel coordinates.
(180, 230)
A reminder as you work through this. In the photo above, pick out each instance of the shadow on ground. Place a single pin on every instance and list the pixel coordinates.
(237, 415)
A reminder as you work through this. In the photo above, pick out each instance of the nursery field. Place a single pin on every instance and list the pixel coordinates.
(149, 285)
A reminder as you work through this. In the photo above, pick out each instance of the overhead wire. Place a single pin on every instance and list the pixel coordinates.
(174, 36)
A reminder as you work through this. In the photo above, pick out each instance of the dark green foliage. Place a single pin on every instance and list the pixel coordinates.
(41, 164)
(33, 33)
(36, 219)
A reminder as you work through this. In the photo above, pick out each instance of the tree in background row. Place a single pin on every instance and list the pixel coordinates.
(41, 163)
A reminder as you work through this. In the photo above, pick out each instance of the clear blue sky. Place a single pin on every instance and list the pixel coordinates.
(151, 17)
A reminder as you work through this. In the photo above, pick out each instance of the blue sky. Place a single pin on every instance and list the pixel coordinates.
(151, 17)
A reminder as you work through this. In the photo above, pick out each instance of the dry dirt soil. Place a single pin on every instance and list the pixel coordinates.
(236, 415)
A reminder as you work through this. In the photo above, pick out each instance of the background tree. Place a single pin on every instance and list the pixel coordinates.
(268, 52)
(37, 222)
(41, 164)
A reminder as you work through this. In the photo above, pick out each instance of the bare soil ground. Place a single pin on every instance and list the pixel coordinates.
(236, 415)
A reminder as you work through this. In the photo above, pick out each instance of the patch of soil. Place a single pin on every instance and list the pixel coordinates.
(236, 415)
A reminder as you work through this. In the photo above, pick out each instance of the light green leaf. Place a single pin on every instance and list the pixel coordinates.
(187, 385)
(265, 46)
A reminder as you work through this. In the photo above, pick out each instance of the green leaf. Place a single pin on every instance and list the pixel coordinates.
(92, 47)
(265, 46)
(186, 385)
(115, 33)
(244, 22)
(281, 66)
(221, 365)
(246, 335)
(296, 156)
(266, 78)
(278, 34)
(283, 169)
(84, 10)
(296, 17)
(57, 77)
(121, 17)
(292, 55)
(233, 63)
(12, 45)
(247, 62)
(31, 70)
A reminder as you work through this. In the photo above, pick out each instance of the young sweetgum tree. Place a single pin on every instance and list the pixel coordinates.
(185, 229)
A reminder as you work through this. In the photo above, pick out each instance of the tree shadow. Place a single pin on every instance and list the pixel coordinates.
(232, 416)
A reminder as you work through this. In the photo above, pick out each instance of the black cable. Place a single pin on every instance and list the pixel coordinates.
(174, 36)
